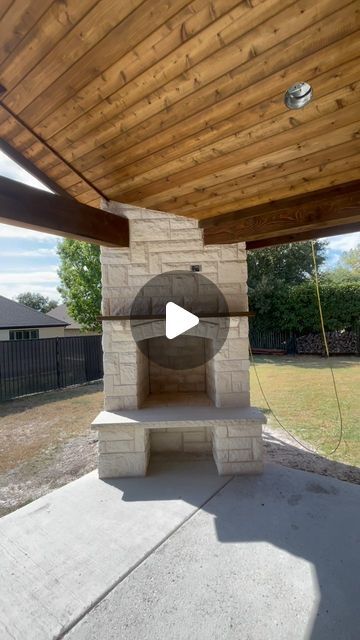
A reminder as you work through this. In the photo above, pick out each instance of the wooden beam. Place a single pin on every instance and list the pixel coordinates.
(301, 237)
(314, 211)
(24, 206)
(346, 194)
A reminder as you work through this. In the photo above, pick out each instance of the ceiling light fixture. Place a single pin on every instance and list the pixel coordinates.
(298, 95)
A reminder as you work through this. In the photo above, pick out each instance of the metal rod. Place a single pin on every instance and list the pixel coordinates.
(162, 316)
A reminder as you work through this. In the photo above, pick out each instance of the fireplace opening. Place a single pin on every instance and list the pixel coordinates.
(176, 387)
(171, 385)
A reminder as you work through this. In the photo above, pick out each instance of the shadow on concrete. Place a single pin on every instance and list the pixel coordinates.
(310, 517)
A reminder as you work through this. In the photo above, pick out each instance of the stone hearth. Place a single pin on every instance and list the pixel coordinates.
(153, 408)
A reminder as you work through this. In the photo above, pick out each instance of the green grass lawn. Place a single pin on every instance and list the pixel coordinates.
(300, 392)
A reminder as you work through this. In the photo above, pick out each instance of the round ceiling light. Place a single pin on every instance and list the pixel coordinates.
(298, 95)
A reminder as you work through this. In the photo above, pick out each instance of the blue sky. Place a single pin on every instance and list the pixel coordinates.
(29, 261)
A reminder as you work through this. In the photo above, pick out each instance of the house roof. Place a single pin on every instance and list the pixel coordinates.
(184, 112)
(14, 315)
(61, 313)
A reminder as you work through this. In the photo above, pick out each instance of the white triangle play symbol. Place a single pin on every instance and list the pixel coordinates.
(178, 320)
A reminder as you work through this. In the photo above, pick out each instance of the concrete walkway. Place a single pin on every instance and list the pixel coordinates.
(274, 556)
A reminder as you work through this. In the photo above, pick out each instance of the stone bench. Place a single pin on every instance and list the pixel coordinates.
(124, 442)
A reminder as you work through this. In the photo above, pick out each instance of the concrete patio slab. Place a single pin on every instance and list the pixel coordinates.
(274, 557)
(65, 551)
(267, 557)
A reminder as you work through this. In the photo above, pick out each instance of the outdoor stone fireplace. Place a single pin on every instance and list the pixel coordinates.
(149, 407)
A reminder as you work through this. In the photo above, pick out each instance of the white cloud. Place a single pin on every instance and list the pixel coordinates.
(44, 282)
(337, 245)
(343, 242)
(35, 253)
(10, 231)
(29, 277)
(10, 169)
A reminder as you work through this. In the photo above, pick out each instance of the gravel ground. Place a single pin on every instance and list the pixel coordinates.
(52, 469)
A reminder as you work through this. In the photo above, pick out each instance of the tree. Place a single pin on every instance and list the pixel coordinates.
(287, 263)
(270, 274)
(347, 268)
(36, 301)
(80, 276)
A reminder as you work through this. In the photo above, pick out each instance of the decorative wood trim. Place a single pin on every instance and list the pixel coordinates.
(32, 208)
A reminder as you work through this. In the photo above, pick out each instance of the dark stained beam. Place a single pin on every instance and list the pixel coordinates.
(311, 212)
(346, 195)
(24, 206)
(301, 237)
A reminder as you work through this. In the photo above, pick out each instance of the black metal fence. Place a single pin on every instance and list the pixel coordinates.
(339, 342)
(30, 366)
(272, 340)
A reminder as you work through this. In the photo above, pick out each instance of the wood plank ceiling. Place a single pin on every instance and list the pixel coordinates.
(177, 105)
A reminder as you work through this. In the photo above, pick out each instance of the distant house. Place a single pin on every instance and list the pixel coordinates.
(18, 322)
(73, 328)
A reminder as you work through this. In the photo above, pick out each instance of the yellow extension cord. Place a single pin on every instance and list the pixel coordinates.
(330, 367)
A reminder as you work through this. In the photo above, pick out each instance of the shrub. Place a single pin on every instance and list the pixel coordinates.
(296, 308)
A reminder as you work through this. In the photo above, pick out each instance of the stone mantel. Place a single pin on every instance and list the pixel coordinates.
(178, 416)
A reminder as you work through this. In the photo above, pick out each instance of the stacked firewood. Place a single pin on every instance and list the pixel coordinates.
(339, 342)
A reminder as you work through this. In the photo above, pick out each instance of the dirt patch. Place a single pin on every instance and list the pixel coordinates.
(282, 449)
(46, 442)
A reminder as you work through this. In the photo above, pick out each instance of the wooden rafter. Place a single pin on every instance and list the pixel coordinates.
(183, 111)
(303, 215)
(31, 208)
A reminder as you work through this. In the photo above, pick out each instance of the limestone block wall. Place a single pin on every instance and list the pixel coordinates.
(158, 243)
(123, 452)
(197, 440)
(238, 449)
(170, 380)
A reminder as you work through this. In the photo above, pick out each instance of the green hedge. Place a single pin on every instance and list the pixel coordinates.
(282, 307)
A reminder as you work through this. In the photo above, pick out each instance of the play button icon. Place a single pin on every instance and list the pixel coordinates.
(178, 320)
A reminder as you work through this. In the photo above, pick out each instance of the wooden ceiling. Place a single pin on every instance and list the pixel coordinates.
(177, 105)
